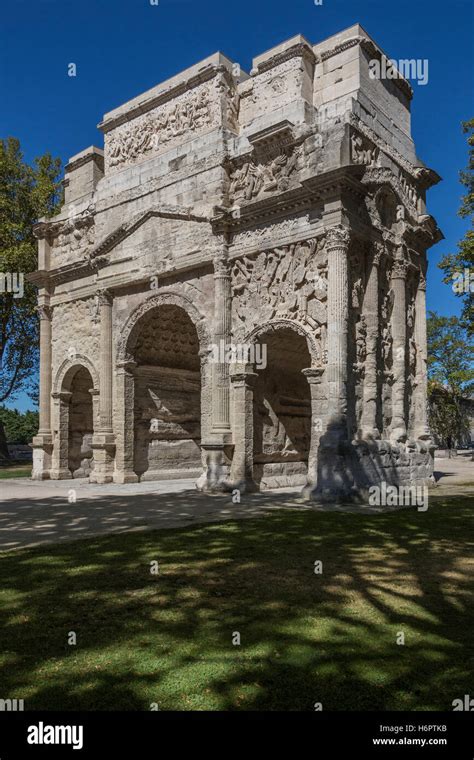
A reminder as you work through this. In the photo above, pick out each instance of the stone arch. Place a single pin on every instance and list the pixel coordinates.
(279, 418)
(164, 298)
(130, 378)
(75, 398)
(315, 349)
(67, 370)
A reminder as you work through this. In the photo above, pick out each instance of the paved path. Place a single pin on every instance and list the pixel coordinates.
(39, 512)
(34, 512)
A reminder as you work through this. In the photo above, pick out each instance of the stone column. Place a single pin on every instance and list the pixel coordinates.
(214, 445)
(103, 441)
(43, 442)
(60, 459)
(421, 427)
(370, 389)
(314, 376)
(105, 380)
(243, 379)
(398, 431)
(337, 246)
(221, 337)
(125, 423)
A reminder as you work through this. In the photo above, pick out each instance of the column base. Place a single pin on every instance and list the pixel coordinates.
(42, 445)
(103, 446)
(347, 472)
(216, 468)
(398, 434)
(127, 476)
(61, 474)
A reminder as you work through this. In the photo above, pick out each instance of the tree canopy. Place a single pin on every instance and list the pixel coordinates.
(27, 193)
(459, 267)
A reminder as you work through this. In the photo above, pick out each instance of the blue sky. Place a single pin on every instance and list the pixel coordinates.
(123, 47)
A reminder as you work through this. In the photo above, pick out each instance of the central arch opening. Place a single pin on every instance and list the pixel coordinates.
(167, 412)
(80, 424)
(282, 411)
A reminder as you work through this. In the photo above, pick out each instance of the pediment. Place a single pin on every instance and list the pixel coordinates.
(158, 221)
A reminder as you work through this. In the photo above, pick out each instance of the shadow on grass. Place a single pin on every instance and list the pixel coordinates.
(305, 637)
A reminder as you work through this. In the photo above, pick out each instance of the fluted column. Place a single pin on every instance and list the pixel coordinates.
(43, 442)
(105, 380)
(421, 426)
(103, 441)
(221, 337)
(337, 245)
(399, 333)
(368, 421)
(44, 312)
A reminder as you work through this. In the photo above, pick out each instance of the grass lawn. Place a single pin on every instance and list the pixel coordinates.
(15, 471)
(305, 637)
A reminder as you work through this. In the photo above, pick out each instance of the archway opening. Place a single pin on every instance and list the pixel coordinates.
(282, 411)
(167, 412)
(80, 424)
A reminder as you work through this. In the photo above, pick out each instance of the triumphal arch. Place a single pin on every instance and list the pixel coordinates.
(281, 210)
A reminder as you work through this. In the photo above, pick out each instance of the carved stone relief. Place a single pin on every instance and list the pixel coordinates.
(363, 151)
(74, 235)
(283, 283)
(149, 134)
(254, 179)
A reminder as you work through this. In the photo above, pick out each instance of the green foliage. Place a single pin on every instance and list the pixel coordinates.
(463, 261)
(19, 427)
(451, 376)
(27, 193)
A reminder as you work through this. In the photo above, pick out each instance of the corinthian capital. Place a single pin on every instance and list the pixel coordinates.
(104, 297)
(221, 264)
(337, 237)
(378, 250)
(44, 311)
(399, 269)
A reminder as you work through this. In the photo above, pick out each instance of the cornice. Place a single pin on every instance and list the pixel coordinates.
(299, 50)
(312, 189)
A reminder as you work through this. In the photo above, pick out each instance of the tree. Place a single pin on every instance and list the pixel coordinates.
(451, 377)
(26, 194)
(19, 427)
(459, 267)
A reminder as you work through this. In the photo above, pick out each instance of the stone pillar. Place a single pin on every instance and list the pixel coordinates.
(398, 433)
(43, 442)
(60, 459)
(243, 379)
(125, 423)
(421, 428)
(221, 337)
(337, 246)
(103, 441)
(105, 380)
(216, 443)
(314, 376)
(370, 389)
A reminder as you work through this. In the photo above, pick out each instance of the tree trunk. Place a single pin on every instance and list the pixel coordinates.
(4, 454)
